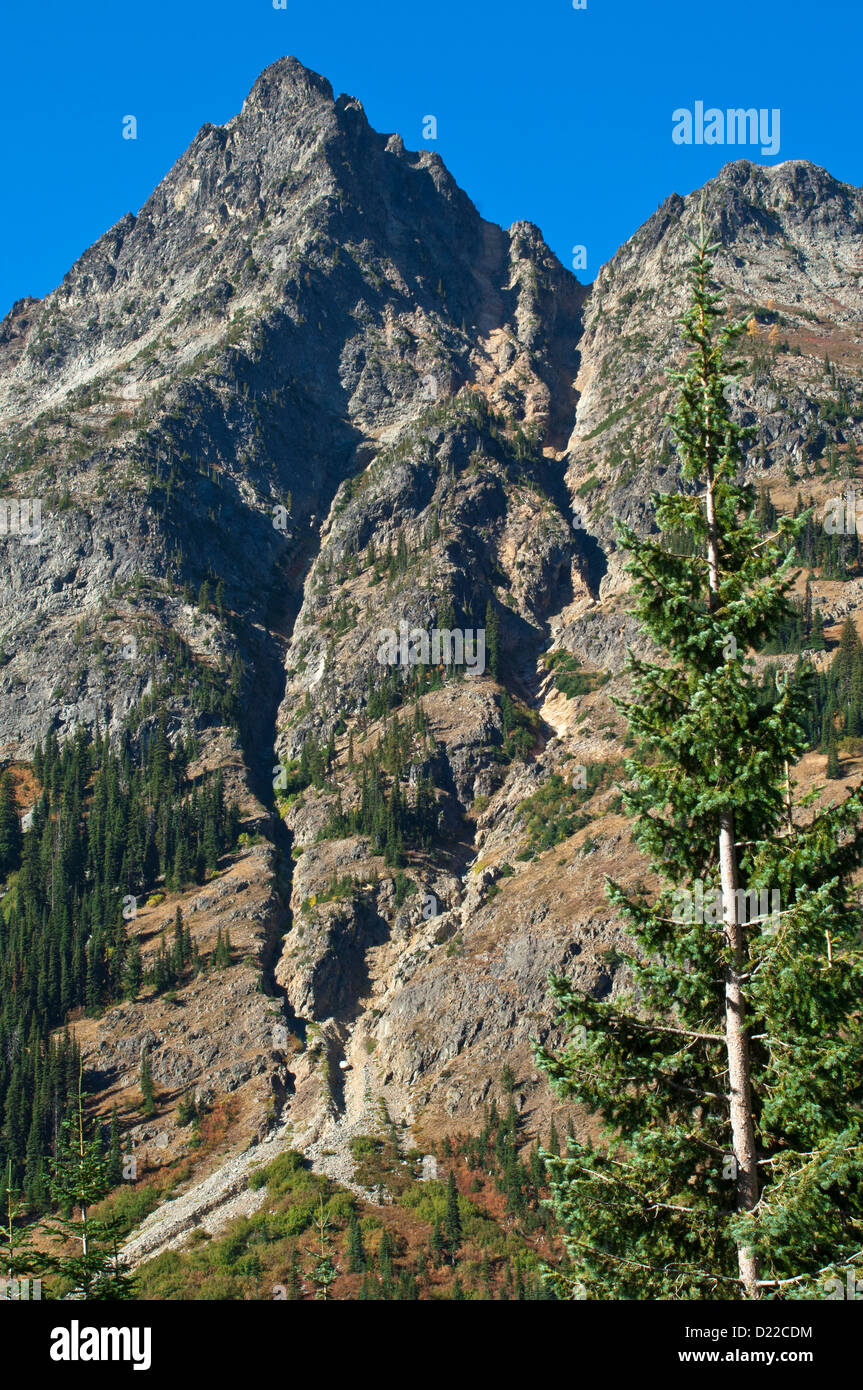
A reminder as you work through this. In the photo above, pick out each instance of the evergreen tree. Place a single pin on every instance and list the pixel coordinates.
(356, 1249)
(222, 952)
(148, 1099)
(295, 1291)
(10, 827)
(182, 871)
(80, 1177)
(179, 948)
(18, 1260)
(728, 1081)
(187, 1109)
(452, 1219)
(833, 770)
(323, 1272)
(553, 1140)
(436, 1244)
(385, 1262)
(492, 640)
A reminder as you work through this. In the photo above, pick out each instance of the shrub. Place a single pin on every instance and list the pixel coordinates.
(288, 1173)
(569, 678)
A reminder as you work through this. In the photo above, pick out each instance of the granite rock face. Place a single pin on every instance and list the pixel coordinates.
(790, 258)
(311, 378)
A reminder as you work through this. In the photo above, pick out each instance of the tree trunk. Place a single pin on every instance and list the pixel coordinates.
(737, 1048)
(736, 1036)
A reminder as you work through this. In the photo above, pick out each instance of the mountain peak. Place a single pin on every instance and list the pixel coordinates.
(287, 82)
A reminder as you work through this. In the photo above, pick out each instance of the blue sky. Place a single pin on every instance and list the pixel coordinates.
(544, 112)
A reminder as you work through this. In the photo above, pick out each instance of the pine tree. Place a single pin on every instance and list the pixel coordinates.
(356, 1249)
(492, 640)
(833, 769)
(210, 845)
(187, 1109)
(385, 1262)
(18, 1260)
(295, 1291)
(323, 1272)
(179, 947)
(222, 952)
(728, 1080)
(436, 1244)
(10, 827)
(553, 1140)
(182, 872)
(80, 1177)
(452, 1219)
(161, 759)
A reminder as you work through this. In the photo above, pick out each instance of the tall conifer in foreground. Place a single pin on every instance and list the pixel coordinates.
(728, 1073)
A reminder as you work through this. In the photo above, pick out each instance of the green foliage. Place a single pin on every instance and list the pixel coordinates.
(104, 828)
(79, 1175)
(148, 1101)
(835, 694)
(386, 811)
(835, 555)
(323, 1270)
(589, 485)
(568, 676)
(493, 641)
(676, 1200)
(127, 1205)
(356, 1249)
(10, 827)
(495, 1150)
(452, 1219)
(222, 957)
(520, 727)
(404, 888)
(289, 1173)
(213, 692)
(552, 813)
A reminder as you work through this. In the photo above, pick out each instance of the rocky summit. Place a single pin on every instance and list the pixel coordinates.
(273, 449)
